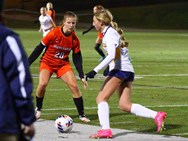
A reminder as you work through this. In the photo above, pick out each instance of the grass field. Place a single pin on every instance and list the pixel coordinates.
(160, 61)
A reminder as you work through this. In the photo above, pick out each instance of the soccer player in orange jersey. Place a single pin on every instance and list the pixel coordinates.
(50, 10)
(98, 41)
(58, 44)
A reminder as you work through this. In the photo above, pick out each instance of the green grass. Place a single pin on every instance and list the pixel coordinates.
(158, 58)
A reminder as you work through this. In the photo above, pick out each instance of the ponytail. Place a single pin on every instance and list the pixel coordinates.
(106, 18)
(124, 43)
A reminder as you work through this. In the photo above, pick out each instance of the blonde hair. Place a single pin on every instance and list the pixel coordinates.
(43, 9)
(124, 43)
(99, 7)
(106, 18)
(50, 5)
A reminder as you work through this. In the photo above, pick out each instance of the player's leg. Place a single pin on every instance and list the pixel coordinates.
(70, 79)
(44, 77)
(124, 92)
(137, 109)
(109, 87)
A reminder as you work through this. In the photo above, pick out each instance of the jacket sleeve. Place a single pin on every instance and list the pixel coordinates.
(16, 68)
(77, 60)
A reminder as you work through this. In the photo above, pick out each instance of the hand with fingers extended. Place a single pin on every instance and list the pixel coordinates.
(90, 74)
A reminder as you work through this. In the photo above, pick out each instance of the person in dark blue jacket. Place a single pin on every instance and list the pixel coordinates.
(16, 102)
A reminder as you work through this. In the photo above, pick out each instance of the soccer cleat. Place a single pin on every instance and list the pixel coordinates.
(159, 120)
(84, 118)
(37, 113)
(104, 133)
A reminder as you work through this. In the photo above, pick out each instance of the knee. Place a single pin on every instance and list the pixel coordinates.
(101, 98)
(74, 87)
(125, 107)
(98, 100)
(43, 85)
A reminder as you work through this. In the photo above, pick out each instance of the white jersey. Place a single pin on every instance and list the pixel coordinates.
(45, 22)
(116, 54)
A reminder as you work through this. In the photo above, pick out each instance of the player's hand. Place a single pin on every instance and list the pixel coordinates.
(84, 83)
(90, 74)
(106, 71)
(29, 131)
(84, 32)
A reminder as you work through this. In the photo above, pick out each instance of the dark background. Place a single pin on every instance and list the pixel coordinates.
(147, 14)
(64, 5)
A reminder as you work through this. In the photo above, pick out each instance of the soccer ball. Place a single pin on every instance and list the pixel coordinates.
(64, 123)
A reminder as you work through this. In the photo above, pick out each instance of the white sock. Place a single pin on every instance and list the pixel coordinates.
(142, 111)
(103, 114)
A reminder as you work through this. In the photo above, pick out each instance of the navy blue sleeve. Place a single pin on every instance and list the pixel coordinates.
(16, 67)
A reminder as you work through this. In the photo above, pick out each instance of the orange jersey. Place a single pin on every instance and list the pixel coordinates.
(51, 13)
(100, 35)
(58, 47)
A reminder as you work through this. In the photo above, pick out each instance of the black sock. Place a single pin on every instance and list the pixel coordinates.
(99, 50)
(39, 101)
(79, 105)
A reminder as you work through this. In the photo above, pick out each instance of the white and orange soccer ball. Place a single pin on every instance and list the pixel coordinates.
(64, 123)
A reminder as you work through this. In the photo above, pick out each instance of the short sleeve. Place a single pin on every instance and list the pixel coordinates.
(100, 35)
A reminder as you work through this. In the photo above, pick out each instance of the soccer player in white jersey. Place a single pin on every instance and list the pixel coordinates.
(46, 22)
(120, 78)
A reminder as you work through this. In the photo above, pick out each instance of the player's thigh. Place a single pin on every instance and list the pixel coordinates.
(70, 79)
(44, 76)
(124, 93)
(110, 85)
(45, 73)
